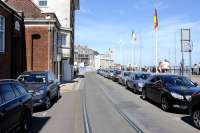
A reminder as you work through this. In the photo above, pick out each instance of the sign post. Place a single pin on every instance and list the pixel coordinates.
(59, 60)
(186, 46)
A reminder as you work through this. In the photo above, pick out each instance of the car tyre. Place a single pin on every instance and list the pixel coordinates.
(47, 102)
(26, 123)
(127, 86)
(144, 96)
(134, 89)
(58, 94)
(165, 104)
(196, 118)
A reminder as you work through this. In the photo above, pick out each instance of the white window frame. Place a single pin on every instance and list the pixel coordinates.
(42, 1)
(3, 31)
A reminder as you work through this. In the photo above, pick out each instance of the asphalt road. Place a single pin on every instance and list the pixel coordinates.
(103, 106)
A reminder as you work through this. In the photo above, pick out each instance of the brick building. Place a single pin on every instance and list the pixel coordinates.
(12, 43)
(41, 31)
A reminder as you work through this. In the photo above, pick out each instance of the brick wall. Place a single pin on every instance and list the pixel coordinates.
(40, 48)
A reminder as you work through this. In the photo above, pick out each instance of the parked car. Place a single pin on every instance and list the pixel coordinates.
(171, 91)
(136, 81)
(123, 77)
(194, 109)
(15, 107)
(42, 85)
(110, 75)
(116, 74)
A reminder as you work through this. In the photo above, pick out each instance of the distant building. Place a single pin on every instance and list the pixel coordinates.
(12, 43)
(84, 55)
(65, 11)
(104, 60)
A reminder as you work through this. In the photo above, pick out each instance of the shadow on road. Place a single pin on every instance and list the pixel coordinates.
(188, 120)
(38, 123)
(41, 109)
(173, 110)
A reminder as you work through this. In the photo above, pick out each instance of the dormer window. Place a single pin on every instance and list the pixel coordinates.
(42, 3)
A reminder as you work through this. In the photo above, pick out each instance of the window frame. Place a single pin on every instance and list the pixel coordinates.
(3, 32)
(43, 3)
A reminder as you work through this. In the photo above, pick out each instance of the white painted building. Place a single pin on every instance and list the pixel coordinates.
(104, 60)
(65, 11)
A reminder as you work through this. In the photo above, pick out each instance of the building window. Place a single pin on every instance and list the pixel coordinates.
(42, 3)
(62, 39)
(2, 34)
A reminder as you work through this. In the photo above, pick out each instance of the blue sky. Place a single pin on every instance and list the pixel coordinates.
(104, 24)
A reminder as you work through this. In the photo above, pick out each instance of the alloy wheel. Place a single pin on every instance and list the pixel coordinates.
(26, 123)
(58, 94)
(144, 94)
(47, 102)
(196, 118)
(164, 104)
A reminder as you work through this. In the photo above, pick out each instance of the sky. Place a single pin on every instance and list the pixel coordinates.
(104, 24)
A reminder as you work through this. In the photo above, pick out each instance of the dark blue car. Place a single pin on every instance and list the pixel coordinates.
(171, 91)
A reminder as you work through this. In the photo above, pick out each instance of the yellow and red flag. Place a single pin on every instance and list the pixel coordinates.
(155, 20)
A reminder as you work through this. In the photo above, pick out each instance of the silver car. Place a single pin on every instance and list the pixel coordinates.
(136, 81)
(123, 77)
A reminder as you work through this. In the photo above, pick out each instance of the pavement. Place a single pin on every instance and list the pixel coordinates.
(95, 104)
(196, 79)
(65, 115)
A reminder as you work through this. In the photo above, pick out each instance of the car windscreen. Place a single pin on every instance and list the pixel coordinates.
(177, 81)
(141, 76)
(126, 74)
(33, 78)
(118, 72)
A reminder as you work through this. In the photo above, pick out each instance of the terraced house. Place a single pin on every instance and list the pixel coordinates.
(12, 43)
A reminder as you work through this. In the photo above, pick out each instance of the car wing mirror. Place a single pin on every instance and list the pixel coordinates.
(196, 84)
(50, 81)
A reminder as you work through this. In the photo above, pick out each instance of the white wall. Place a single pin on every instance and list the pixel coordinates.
(61, 8)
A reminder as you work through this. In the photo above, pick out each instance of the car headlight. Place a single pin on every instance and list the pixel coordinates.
(141, 85)
(188, 98)
(177, 96)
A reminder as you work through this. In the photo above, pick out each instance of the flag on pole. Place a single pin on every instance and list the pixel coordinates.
(133, 36)
(155, 19)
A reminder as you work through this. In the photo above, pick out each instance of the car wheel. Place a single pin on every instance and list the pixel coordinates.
(26, 123)
(134, 89)
(165, 104)
(196, 118)
(47, 102)
(144, 96)
(58, 95)
(127, 86)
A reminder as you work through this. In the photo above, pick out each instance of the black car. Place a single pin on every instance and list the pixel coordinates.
(15, 107)
(42, 85)
(194, 109)
(171, 91)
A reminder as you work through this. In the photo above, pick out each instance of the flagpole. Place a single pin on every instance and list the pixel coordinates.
(156, 34)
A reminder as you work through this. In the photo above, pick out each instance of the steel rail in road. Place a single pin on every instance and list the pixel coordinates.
(130, 122)
(86, 120)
